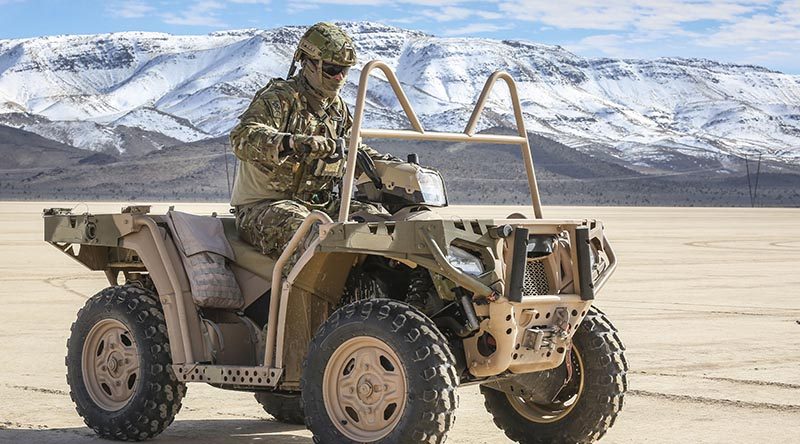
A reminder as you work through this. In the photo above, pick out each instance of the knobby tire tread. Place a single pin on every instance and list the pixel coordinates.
(158, 399)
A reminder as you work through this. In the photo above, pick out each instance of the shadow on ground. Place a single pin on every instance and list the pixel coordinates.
(181, 431)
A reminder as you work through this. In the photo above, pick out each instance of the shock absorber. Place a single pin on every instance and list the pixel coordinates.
(419, 286)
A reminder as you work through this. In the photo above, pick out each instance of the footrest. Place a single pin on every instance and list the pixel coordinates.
(228, 374)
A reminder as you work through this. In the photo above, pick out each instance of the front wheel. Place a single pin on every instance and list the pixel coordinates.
(119, 365)
(378, 370)
(587, 405)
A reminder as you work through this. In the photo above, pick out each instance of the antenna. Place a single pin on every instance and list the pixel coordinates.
(758, 173)
(227, 172)
(749, 184)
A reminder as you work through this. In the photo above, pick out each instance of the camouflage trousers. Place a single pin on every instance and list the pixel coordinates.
(269, 225)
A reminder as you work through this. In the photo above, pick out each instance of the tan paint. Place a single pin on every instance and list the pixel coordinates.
(309, 288)
(275, 301)
(186, 341)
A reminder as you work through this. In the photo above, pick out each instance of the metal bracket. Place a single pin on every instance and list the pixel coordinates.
(537, 338)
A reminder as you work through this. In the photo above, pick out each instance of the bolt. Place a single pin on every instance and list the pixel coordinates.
(352, 390)
(103, 368)
(118, 383)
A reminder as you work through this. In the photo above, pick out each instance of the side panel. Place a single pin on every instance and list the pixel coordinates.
(251, 284)
(143, 244)
(314, 295)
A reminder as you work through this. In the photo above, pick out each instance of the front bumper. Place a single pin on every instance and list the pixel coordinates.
(545, 300)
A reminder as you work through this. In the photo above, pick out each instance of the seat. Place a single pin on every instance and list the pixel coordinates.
(247, 256)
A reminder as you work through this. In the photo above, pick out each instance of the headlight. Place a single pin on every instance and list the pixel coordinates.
(464, 261)
(432, 188)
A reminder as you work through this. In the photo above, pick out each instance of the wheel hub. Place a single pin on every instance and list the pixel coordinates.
(364, 389)
(110, 364)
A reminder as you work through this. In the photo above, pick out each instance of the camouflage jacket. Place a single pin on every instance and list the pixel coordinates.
(267, 170)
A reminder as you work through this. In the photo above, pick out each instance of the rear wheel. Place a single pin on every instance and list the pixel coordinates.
(119, 365)
(285, 407)
(585, 407)
(378, 370)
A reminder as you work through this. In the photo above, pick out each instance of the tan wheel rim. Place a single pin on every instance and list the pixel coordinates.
(549, 413)
(364, 389)
(110, 362)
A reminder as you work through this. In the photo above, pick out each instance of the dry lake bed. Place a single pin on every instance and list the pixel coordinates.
(707, 301)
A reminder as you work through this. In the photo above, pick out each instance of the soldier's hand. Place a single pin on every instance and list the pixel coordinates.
(313, 147)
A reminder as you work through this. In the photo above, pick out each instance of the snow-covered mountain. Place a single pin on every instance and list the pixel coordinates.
(194, 87)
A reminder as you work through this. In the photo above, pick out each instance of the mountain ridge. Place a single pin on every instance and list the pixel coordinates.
(647, 113)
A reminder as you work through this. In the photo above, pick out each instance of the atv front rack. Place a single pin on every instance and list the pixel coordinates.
(419, 133)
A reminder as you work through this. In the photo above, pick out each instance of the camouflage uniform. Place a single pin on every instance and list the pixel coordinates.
(275, 187)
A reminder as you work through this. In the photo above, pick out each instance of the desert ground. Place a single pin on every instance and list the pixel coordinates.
(707, 302)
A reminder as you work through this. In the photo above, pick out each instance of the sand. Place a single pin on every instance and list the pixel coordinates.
(707, 302)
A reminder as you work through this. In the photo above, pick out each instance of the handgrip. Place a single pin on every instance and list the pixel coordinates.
(338, 154)
(367, 165)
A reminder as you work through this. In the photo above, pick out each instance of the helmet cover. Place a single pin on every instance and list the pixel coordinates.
(327, 42)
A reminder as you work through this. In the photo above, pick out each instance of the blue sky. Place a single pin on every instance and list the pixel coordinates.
(761, 32)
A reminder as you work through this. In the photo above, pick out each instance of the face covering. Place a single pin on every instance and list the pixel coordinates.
(323, 84)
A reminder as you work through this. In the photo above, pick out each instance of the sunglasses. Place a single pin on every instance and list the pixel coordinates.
(333, 70)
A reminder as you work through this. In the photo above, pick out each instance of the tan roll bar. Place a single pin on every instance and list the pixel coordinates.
(419, 133)
(277, 297)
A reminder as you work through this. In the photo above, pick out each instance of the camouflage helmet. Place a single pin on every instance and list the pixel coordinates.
(327, 42)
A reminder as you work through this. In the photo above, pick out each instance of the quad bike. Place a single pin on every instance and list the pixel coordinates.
(362, 331)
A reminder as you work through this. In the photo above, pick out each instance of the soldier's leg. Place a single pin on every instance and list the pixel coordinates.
(269, 226)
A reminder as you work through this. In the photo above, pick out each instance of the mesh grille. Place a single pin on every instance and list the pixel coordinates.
(535, 280)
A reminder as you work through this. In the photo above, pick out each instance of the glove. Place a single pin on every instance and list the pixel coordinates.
(313, 147)
(390, 157)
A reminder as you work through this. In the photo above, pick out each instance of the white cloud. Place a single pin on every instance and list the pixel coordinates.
(455, 13)
(754, 29)
(620, 15)
(201, 13)
(131, 9)
(473, 28)
(295, 7)
(352, 2)
(759, 28)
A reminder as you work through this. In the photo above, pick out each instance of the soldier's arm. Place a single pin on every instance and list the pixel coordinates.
(257, 137)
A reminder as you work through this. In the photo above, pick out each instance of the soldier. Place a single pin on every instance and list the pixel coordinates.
(286, 141)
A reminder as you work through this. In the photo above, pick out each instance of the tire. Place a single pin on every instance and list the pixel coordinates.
(600, 354)
(413, 399)
(285, 407)
(127, 390)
